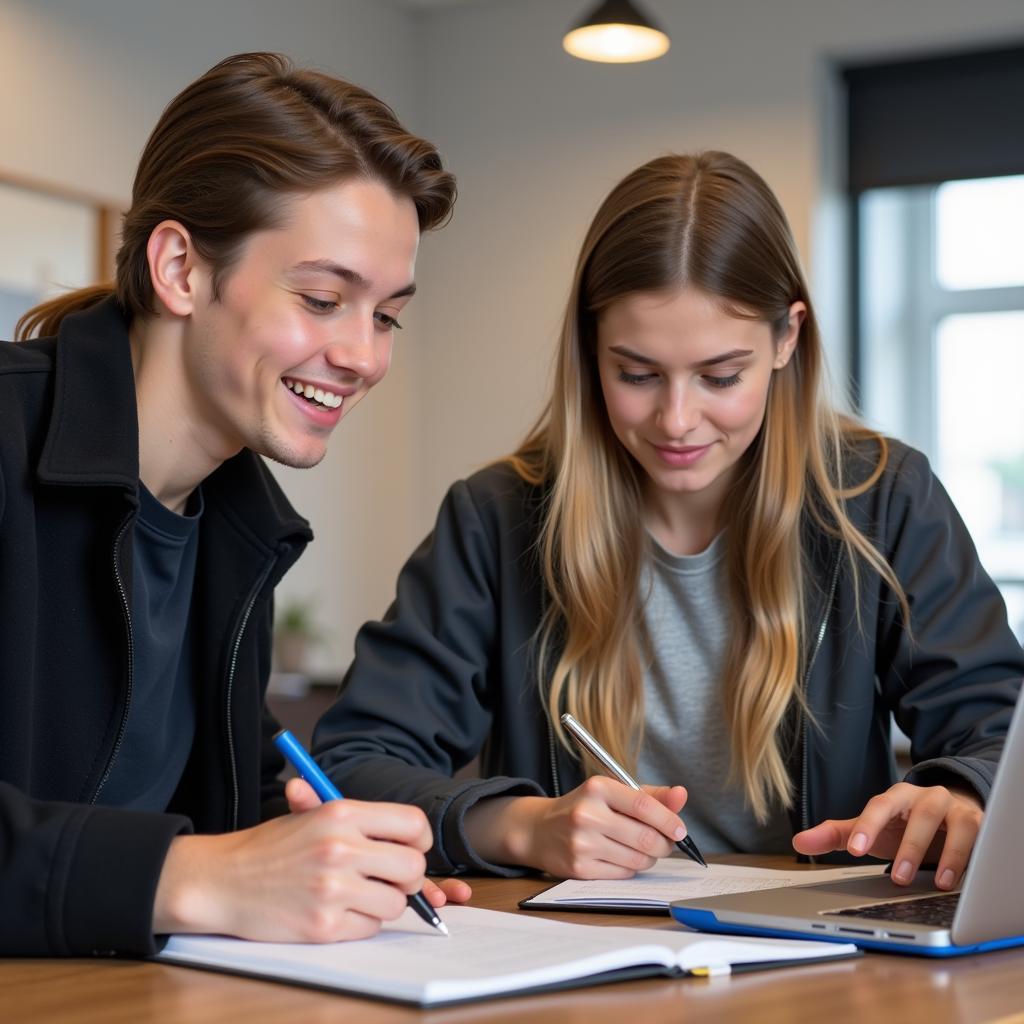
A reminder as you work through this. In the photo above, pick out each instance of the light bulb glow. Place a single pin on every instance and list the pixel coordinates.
(616, 43)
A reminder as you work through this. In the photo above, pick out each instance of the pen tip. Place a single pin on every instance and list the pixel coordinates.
(441, 927)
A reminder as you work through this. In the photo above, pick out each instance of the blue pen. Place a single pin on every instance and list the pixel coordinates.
(309, 770)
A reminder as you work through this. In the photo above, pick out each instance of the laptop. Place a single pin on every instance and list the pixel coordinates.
(987, 912)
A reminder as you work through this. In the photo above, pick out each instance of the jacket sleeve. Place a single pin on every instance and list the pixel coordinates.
(953, 679)
(79, 880)
(416, 705)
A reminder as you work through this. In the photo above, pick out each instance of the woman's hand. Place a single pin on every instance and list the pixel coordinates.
(443, 890)
(908, 825)
(602, 829)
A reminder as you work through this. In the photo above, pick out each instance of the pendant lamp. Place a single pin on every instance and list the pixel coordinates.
(615, 32)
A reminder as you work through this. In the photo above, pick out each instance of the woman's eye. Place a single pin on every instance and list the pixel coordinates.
(387, 321)
(723, 382)
(319, 305)
(635, 378)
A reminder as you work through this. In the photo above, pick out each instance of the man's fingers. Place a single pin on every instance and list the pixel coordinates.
(395, 823)
(300, 796)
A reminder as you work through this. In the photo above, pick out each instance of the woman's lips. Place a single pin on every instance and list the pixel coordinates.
(681, 457)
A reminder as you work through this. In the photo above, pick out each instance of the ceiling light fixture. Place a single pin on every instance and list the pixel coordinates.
(615, 32)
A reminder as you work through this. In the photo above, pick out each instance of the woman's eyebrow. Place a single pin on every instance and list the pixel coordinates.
(636, 357)
(725, 357)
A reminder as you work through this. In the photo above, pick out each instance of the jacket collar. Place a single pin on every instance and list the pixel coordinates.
(93, 435)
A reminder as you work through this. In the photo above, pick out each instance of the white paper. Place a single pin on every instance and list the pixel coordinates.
(676, 879)
(488, 952)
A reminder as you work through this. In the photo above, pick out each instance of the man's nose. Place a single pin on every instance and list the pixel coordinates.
(355, 349)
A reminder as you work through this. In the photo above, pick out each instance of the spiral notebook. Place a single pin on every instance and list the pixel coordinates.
(490, 953)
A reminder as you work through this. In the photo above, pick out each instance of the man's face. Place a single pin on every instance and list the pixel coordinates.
(304, 323)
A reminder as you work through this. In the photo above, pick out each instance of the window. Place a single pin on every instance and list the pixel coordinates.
(935, 171)
(942, 348)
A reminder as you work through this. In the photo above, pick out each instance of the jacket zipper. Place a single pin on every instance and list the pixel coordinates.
(123, 727)
(235, 647)
(805, 818)
(556, 785)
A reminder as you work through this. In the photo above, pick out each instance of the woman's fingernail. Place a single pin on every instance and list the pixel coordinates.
(859, 843)
(904, 871)
(680, 833)
(946, 879)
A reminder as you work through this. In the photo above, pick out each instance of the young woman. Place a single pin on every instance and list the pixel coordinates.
(728, 583)
(268, 251)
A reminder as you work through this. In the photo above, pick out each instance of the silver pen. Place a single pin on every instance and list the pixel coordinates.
(686, 844)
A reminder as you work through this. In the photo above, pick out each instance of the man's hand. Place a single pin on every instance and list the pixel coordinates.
(323, 873)
(301, 797)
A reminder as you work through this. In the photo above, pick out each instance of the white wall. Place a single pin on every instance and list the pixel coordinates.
(84, 82)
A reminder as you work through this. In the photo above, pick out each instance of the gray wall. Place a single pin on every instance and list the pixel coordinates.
(83, 83)
(536, 139)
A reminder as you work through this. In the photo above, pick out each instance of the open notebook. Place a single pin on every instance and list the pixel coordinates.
(676, 879)
(489, 953)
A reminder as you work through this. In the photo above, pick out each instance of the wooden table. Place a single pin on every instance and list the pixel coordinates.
(878, 987)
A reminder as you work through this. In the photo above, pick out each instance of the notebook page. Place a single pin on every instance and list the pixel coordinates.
(675, 879)
(488, 952)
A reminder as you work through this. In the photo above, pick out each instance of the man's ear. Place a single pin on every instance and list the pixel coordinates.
(172, 261)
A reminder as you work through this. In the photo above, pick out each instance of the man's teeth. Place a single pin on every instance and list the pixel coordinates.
(325, 398)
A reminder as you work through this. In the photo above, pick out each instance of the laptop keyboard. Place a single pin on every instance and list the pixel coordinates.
(934, 910)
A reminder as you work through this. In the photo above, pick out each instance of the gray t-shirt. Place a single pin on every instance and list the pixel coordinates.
(686, 738)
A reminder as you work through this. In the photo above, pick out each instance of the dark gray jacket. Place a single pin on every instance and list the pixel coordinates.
(451, 671)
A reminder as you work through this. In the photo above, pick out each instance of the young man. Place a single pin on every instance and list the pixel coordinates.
(268, 252)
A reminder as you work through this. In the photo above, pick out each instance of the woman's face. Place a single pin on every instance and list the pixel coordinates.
(685, 385)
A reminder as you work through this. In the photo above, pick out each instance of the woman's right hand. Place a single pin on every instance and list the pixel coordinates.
(602, 829)
(332, 872)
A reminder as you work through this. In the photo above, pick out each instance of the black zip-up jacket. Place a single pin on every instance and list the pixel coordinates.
(451, 671)
(77, 878)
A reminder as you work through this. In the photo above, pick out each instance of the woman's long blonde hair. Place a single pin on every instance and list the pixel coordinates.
(709, 222)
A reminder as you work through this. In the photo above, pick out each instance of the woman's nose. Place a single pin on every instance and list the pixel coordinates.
(679, 412)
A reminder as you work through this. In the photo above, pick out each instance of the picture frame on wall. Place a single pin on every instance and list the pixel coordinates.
(52, 240)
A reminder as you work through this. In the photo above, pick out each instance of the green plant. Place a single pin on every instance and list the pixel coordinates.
(297, 616)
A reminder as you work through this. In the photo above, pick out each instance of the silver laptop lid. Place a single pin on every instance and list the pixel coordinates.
(992, 900)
